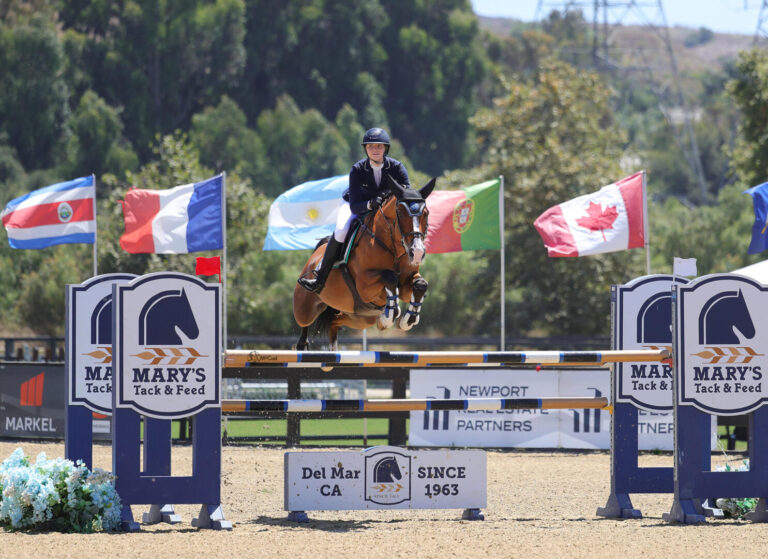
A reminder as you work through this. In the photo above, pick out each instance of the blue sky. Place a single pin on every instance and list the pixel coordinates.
(724, 16)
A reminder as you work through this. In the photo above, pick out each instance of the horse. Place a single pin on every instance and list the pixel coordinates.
(164, 316)
(383, 265)
(722, 316)
(387, 471)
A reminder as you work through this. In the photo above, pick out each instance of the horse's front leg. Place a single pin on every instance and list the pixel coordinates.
(412, 314)
(391, 310)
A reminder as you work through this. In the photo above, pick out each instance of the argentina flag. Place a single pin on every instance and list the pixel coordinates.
(759, 195)
(306, 213)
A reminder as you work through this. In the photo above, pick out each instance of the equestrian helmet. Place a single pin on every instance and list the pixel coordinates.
(376, 136)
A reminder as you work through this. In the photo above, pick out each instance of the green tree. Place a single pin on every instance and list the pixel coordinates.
(95, 143)
(302, 146)
(225, 142)
(435, 62)
(553, 138)
(33, 96)
(750, 93)
(161, 61)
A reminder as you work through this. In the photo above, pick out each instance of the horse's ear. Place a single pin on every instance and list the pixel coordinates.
(427, 189)
(395, 187)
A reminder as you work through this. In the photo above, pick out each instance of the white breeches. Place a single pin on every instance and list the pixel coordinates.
(343, 221)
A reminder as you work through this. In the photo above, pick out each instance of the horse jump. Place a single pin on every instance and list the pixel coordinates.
(474, 404)
(282, 358)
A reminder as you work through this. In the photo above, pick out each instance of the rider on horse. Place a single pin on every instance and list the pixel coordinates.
(367, 191)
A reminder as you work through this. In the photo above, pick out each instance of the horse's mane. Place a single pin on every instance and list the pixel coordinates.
(322, 241)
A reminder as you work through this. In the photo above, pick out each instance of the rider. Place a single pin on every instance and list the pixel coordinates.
(367, 192)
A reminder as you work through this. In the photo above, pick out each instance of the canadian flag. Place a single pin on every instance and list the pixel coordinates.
(609, 220)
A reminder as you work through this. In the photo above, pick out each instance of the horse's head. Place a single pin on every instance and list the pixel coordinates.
(410, 212)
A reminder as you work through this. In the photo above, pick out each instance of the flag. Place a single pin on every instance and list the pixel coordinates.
(608, 220)
(208, 266)
(466, 219)
(306, 213)
(684, 267)
(759, 195)
(58, 214)
(184, 219)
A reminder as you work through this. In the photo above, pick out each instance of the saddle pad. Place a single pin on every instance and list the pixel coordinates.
(350, 242)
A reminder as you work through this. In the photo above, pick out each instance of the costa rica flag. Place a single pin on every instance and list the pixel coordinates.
(61, 213)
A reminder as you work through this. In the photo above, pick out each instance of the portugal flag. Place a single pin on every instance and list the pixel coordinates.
(466, 219)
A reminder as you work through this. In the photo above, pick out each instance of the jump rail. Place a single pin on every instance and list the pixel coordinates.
(283, 358)
(479, 404)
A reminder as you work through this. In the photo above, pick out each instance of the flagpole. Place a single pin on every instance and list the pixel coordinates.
(501, 259)
(224, 256)
(646, 231)
(95, 231)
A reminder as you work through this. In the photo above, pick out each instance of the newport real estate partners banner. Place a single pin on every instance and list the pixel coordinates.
(587, 429)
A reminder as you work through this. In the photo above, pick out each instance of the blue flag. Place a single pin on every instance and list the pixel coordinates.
(759, 195)
(306, 213)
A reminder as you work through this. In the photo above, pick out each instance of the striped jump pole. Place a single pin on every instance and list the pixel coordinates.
(304, 359)
(478, 404)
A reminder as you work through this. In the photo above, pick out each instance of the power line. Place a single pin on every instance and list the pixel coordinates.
(609, 17)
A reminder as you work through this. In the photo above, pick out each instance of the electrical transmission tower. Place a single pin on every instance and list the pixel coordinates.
(654, 63)
(761, 33)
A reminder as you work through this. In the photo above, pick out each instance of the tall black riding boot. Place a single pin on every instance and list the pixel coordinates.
(332, 254)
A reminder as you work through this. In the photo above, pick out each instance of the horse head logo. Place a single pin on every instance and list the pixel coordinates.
(654, 321)
(165, 317)
(386, 470)
(724, 318)
(101, 322)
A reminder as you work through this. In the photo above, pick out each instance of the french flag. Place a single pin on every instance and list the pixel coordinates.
(188, 218)
(62, 213)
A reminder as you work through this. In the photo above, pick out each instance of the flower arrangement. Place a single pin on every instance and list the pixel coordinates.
(56, 495)
(737, 508)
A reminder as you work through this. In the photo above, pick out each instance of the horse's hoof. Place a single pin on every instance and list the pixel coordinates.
(407, 322)
(384, 323)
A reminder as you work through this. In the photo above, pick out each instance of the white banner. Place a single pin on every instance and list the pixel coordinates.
(586, 429)
(385, 477)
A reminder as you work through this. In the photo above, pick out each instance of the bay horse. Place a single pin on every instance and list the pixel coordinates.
(383, 266)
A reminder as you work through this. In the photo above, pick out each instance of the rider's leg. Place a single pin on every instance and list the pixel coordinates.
(332, 254)
(332, 250)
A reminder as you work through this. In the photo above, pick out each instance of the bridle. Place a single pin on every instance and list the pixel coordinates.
(415, 210)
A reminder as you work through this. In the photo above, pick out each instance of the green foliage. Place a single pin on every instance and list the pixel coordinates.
(94, 145)
(717, 235)
(161, 62)
(554, 138)
(748, 90)
(33, 97)
(699, 37)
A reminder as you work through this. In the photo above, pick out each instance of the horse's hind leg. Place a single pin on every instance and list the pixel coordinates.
(333, 337)
(412, 315)
(302, 344)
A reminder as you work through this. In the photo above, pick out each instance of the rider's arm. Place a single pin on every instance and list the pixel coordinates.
(358, 203)
(400, 174)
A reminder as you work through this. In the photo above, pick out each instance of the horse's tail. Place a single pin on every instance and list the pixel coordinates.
(322, 323)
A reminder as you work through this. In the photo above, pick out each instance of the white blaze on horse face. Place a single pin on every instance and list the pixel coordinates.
(417, 250)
